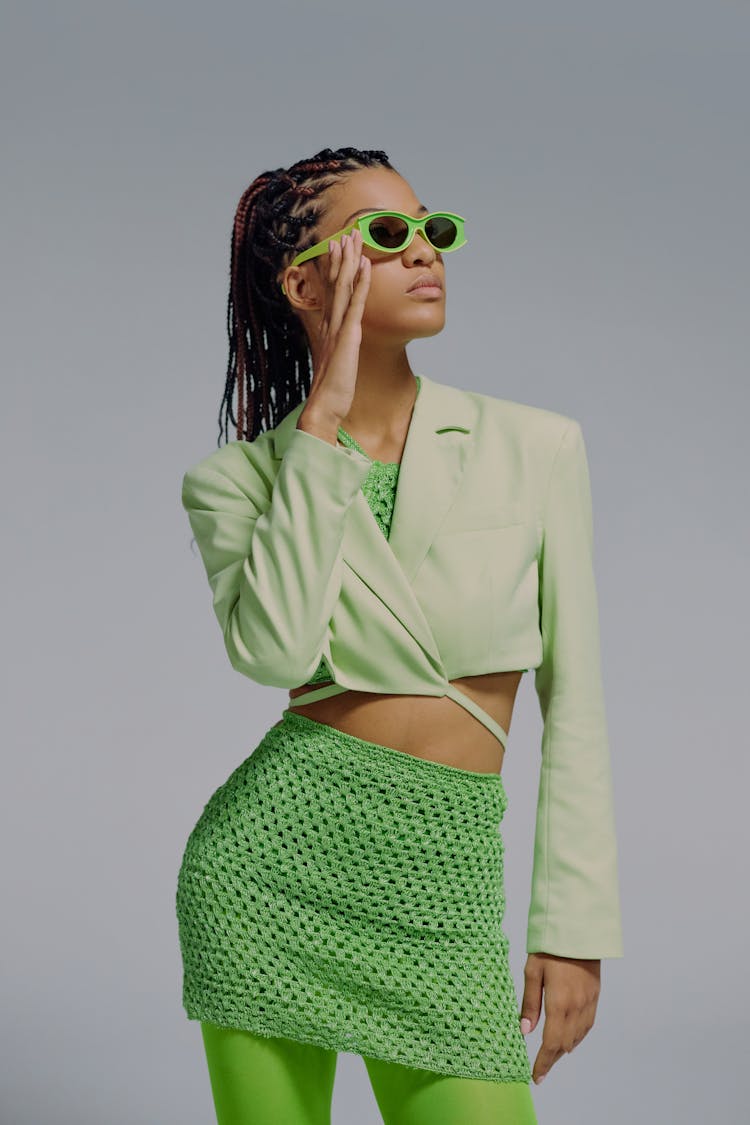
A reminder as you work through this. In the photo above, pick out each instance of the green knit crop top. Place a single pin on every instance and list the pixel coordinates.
(379, 487)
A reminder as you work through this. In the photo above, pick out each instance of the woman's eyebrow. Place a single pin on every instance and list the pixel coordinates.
(363, 211)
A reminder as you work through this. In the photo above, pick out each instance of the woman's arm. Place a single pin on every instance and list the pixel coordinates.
(575, 908)
(275, 567)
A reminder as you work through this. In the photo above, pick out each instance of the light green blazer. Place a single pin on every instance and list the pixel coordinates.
(488, 568)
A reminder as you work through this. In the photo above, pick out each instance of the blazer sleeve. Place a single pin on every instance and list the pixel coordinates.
(275, 569)
(575, 905)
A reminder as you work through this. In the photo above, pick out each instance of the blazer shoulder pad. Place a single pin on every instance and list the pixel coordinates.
(525, 415)
(537, 429)
(241, 469)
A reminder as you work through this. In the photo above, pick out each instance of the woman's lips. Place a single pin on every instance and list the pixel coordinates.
(425, 291)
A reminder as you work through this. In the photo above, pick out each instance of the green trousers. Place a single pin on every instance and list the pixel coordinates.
(261, 1081)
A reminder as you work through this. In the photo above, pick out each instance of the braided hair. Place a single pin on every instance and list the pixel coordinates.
(270, 362)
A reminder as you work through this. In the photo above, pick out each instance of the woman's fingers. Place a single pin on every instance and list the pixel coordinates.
(345, 263)
(340, 330)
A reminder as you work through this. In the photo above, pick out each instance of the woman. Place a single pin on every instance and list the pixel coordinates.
(343, 889)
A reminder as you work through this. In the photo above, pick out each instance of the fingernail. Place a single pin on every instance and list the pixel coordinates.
(525, 1026)
(540, 1080)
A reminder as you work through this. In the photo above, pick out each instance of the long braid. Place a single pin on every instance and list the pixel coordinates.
(270, 363)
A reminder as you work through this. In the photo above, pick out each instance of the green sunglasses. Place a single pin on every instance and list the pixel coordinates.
(391, 231)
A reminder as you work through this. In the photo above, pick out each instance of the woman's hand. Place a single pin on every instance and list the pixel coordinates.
(571, 993)
(340, 331)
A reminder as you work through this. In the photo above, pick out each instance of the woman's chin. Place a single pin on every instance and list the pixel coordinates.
(429, 328)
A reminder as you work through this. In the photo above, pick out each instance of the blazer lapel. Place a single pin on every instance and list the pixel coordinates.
(432, 465)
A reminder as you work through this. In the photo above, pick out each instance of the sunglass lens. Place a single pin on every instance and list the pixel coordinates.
(441, 232)
(388, 231)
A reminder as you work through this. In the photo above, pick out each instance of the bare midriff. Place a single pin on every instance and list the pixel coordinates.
(436, 728)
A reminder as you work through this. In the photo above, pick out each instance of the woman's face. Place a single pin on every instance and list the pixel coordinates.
(392, 315)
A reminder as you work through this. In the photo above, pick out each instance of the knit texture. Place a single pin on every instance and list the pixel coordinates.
(340, 892)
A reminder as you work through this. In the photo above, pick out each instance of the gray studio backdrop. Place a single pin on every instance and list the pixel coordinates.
(599, 152)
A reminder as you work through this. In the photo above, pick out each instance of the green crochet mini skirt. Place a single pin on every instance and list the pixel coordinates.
(340, 892)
